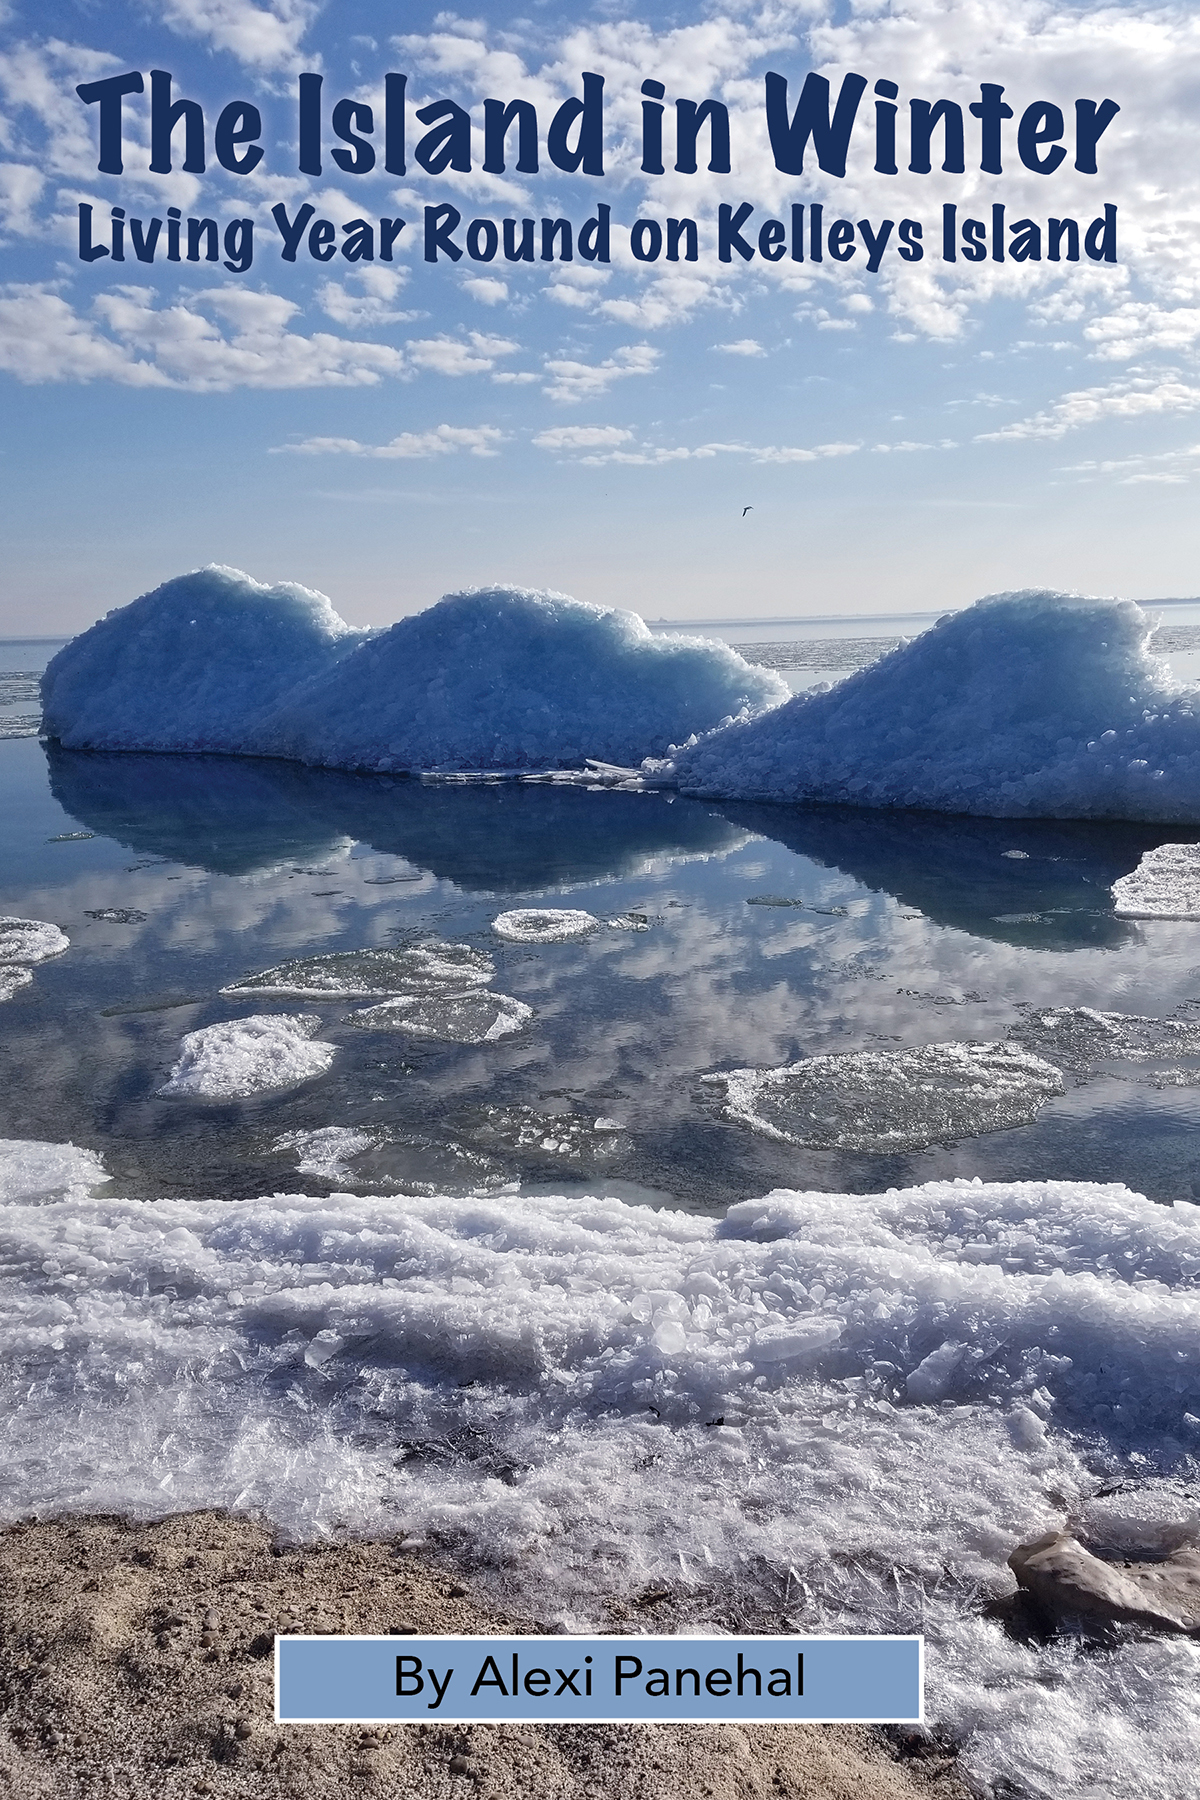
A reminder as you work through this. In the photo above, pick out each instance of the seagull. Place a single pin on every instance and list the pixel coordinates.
(746, 509)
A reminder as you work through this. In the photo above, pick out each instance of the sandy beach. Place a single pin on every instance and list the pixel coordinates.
(137, 1659)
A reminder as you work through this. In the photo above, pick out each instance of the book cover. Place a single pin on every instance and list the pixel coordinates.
(600, 769)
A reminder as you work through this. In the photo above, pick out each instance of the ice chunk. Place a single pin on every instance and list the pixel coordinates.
(932, 1377)
(1165, 885)
(495, 678)
(12, 979)
(1030, 704)
(241, 1057)
(479, 1017)
(881, 1100)
(1079, 1038)
(30, 940)
(191, 665)
(353, 974)
(327, 1151)
(543, 925)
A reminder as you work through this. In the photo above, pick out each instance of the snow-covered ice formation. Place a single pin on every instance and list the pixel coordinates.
(881, 1394)
(1030, 704)
(544, 924)
(1165, 885)
(326, 1151)
(191, 665)
(891, 1100)
(242, 1057)
(30, 940)
(493, 678)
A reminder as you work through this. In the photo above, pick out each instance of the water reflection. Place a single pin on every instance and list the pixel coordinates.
(1042, 884)
(239, 815)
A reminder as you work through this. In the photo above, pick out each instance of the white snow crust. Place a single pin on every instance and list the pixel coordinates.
(1165, 885)
(1030, 704)
(841, 1410)
(891, 1100)
(30, 940)
(543, 925)
(242, 1057)
(493, 678)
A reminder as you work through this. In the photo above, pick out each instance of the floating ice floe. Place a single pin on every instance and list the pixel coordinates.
(543, 924)
(1165, 885)
(242, 1057)
(31, 1170)
(891, 1100)
(859, 1401)
(1079, 1038)
(30, 940)
(1031, 704)
(352, 974)
(496, 678)
(563, 1136)
(476, 1017)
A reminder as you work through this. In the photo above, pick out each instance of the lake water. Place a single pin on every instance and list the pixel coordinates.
(467, 1346)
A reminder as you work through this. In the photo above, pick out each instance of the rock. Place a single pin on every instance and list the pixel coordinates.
(211, 1620)
(243, 1729)
(263, 1644)
(1068, 1581)
(460, 1765)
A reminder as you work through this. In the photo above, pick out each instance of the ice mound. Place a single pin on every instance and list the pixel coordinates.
(476, 1017)
(1079, 1038)
(496, 678)
(891, 1100)
(191, 665)
(543, 925)
(242, 1057)
(826, 1411)
(1165, 885)
(30, 940)
(12, 980)
(510, 678)
(430, 968)
(1031, 704)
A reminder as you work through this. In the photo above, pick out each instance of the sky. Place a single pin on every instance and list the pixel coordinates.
(905, 439)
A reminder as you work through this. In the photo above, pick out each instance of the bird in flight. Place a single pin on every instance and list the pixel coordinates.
(746, 509)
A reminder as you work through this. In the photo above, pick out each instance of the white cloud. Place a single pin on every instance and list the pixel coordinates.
(453, 356)
(129, 340)
(443, 440)
(581, 437)
(1170, 467)
(372, 305)
(1135, 397)
(21, 188)
(487, 289)
(266, 36)
(742, 347)
(574, 381)
(602, 448)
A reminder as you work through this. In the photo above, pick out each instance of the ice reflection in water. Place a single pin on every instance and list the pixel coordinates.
(766, 936)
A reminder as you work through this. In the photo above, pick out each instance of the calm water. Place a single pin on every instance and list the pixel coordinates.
(735, 936)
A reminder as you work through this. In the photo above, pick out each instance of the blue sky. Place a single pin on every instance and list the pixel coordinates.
(907, 439)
